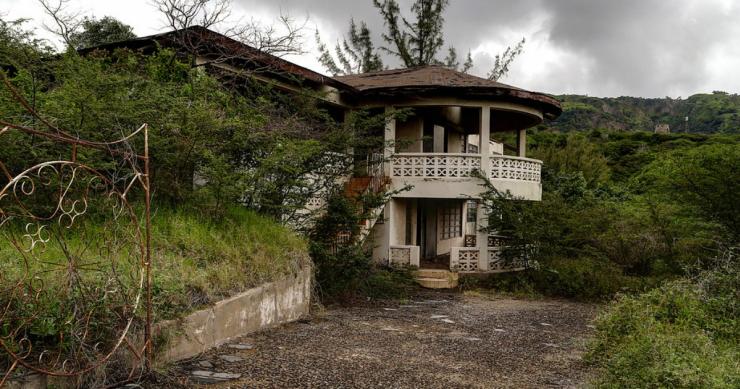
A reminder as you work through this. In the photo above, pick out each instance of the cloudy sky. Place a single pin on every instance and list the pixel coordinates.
(649, 48)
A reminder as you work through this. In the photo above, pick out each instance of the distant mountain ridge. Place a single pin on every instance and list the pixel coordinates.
(707, 113)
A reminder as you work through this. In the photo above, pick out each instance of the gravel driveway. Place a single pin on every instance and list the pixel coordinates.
(435, 340)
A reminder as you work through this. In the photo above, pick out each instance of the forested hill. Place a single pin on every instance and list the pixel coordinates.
(718, 112)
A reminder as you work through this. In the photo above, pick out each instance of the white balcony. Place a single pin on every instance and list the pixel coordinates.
(448, 175)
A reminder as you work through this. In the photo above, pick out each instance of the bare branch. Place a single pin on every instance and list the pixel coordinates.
(66, 23)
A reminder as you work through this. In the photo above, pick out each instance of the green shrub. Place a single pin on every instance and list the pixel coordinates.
(682, 335)
(581, 278)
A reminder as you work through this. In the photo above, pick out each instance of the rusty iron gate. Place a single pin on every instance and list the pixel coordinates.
(75, 243)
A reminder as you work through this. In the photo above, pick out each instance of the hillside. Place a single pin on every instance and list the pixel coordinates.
(718, 112)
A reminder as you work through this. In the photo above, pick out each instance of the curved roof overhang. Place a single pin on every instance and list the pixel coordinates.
(517, 99)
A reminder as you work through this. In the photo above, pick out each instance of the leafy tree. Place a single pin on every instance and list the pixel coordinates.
(356, 54)
(575, 154)
(704, 178)
(96, 32)
(415, 42)
(451, 61)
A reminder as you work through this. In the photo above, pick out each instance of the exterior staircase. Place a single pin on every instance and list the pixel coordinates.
(436, 278)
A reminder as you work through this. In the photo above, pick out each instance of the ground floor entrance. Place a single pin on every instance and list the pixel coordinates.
(435, 226)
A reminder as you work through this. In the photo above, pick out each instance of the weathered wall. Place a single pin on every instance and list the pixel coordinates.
(256, 309)
(409, 135)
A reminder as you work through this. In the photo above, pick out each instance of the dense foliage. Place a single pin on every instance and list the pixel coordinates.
(707, 113)
(621, 209)
(681, 335)
(628, 213)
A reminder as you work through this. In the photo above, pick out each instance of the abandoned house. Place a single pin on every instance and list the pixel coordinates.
(456, 132)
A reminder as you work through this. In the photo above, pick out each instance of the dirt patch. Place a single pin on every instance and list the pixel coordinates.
(435, 340)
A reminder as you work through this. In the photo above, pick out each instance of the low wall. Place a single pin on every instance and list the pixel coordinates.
(262, 307)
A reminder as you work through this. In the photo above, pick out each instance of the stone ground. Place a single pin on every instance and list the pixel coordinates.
(435, 340)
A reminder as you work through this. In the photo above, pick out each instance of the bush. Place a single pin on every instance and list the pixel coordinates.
(683, 334)
(344, 268)
(582, 278)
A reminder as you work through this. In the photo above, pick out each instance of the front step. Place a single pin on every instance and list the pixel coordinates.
(436, 278)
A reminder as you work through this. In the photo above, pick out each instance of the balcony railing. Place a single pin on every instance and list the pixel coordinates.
(434, 165)
(504, 167)
(448, 165)
(468, 259)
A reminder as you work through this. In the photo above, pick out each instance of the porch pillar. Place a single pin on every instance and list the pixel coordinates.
(391, 220)
(521, 143)
(485, 164)
(389, 140)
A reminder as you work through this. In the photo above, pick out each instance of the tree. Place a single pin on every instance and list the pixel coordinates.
(97, 32)
(452, 62)
(279, 40)
(66, 23)
(356, 54)
(415, 42)
(502, 61)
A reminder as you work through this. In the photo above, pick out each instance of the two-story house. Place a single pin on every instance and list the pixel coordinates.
(457, 127)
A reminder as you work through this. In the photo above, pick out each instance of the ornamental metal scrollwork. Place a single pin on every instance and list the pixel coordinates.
(75, 269)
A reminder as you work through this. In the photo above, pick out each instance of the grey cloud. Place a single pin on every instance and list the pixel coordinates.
(626, 47)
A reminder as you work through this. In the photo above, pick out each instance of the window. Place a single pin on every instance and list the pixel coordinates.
(452, 221)
(472, 211)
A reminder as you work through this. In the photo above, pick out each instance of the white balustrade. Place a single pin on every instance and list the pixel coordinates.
(506, 167)
(434, 165)
(496, 262)
(449, 165)
(465, 259)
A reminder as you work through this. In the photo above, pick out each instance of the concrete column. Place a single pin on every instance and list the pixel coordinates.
(485, 137)
(481, 238)
(389, 140)
(390, 222)
(521, 143)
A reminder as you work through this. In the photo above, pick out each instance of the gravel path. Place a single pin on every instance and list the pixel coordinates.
(435, 340)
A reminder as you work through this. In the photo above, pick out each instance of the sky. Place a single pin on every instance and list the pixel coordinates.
(606, 48)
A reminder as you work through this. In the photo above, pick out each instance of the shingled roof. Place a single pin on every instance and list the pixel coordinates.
(417, 76)
(202, 41)
(443, 81)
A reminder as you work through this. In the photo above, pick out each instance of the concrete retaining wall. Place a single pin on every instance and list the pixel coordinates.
(256, 309)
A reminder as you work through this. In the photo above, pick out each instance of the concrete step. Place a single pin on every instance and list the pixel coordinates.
(441, 274)
(436, 283)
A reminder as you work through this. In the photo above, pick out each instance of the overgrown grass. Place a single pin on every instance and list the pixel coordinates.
(196, 259)
(684, 334)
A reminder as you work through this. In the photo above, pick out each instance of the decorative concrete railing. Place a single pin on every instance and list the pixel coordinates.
(449, 165)
(399, 255)
(465, 259)
(497, 264)
(504, 167)
(434, 165)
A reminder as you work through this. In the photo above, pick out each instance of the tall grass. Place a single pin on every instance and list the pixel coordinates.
(196, 259)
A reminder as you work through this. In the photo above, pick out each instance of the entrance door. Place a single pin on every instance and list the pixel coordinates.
(427, 229)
